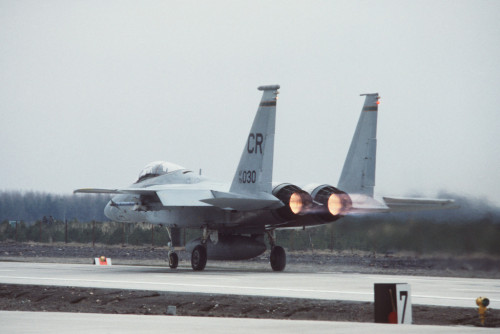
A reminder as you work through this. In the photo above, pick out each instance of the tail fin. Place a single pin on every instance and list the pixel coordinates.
(358, 174)
(255, 170)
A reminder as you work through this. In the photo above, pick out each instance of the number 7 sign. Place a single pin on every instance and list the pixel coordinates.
(403, 301)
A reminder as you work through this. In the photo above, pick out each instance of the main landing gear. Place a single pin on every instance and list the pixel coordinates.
(199, 255)
(278, 255)
(173, 259)
(199, 258)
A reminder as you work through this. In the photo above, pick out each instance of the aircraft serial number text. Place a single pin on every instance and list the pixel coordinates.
(247, 176)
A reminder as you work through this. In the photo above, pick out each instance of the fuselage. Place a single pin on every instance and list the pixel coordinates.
(139, 208)
(134, 208)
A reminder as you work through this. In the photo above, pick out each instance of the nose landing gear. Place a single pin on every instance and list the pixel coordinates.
(173, 258)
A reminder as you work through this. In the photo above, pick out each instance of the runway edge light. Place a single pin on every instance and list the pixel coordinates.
(102, 261)
(482, 303)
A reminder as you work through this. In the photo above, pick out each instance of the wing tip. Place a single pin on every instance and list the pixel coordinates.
(94, 191)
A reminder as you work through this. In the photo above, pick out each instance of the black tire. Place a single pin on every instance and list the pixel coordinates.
(173, 260)
(199, 258)
(278, 258)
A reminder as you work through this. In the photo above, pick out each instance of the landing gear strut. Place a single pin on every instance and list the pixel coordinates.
(278, 255)
(173, 258)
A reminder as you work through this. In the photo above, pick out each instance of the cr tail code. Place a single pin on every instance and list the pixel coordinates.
(254, 143)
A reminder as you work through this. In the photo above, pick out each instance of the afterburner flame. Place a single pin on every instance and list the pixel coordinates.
(335, 204)
(296, 203)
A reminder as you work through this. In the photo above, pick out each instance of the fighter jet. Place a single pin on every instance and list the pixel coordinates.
(235, 218)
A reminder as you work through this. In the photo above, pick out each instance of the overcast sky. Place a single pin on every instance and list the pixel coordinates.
(92, 91)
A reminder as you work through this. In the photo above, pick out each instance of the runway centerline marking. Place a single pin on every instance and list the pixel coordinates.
(185, 284)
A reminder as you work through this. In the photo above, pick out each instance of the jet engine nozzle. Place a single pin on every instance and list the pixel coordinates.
(296, 200)
(332, 203)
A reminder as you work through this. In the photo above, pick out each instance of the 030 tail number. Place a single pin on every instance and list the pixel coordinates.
(247, 176)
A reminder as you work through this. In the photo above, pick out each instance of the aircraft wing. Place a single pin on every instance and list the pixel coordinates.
(220, 199)
(96, 191)
(242, 202)
(183, 197)
(198, 197)
(138, 191)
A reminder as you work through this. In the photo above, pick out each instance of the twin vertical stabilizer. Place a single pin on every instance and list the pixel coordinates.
(358, 174)
(255, 169)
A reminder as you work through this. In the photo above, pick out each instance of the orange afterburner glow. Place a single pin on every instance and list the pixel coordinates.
(334, 204)
(296, 203)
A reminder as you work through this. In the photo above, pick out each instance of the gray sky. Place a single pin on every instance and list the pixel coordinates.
(91, 91)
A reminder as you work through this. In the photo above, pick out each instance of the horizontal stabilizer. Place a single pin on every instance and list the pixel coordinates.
(363, 204)
(232, 201)
(417, 204)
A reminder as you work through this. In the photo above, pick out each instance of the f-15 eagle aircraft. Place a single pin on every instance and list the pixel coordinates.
(235, 218)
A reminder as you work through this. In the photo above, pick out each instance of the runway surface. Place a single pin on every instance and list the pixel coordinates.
(47, 322)
(458, 292)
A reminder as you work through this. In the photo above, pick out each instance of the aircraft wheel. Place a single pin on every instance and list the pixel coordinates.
(278, 258)
(199, 258)
(173, 260)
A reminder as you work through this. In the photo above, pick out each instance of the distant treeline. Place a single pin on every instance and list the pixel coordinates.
(472, 228)
(32, 206)
(109, 233)
(373, 235)
(376, 234)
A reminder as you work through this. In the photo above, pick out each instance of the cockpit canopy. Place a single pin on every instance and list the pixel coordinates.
(157, 168)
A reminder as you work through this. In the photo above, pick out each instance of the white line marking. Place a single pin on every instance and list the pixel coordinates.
(230, 287)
